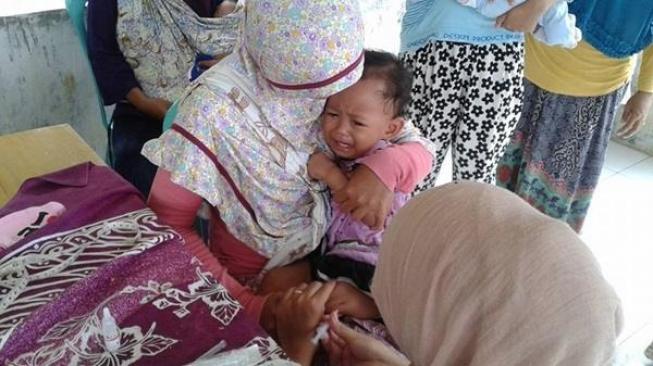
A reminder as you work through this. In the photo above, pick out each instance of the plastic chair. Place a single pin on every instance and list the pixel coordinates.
(76, 11)
(170, 116)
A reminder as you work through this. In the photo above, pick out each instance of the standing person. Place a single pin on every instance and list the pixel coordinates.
(140, 54)
(468, 282)
(557, 151)
(244, 133)
(467, 88)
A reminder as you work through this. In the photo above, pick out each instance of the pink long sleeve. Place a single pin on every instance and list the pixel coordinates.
(401, 166)
(177, 207)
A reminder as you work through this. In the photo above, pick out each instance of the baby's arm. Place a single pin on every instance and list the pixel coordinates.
(350, 301)
(558, 27)
(321, 168)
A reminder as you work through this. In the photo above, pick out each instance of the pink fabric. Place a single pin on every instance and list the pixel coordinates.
(241, 261)
(20, 224)
(177, 207)
(350, 238)
(401, 166)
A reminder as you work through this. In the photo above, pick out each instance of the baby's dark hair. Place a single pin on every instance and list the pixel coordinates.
(398, 80)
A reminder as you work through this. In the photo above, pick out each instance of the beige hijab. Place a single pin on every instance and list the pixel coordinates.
(469, 274)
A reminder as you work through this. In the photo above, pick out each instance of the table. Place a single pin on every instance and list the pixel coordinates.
(39, 151)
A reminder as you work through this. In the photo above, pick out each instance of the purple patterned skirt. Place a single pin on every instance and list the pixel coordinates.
(556, 154)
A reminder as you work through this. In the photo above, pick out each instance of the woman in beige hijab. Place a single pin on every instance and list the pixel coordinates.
(469, 274)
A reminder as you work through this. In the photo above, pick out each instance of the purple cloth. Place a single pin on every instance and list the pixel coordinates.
(349, 238)
(90, 193)
(113, 74)
(109, 250)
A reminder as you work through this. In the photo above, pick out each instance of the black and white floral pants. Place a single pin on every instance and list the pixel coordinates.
(468, 96)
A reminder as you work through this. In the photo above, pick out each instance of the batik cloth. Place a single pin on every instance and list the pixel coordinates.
(108, 251)
(555, 158)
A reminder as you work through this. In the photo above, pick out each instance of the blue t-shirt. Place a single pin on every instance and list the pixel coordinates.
(447, 20)
(617, 28)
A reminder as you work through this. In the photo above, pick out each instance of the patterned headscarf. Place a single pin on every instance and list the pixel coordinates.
(160, 39)
(306, 48)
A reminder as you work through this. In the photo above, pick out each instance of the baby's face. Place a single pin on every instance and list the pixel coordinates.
(356, 118)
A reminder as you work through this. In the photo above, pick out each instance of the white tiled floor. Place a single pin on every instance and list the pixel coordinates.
(619, 230)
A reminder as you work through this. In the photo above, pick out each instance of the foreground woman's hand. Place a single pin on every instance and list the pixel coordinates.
(298, 314)
(635, 113)
(365, 198)
(346, 347)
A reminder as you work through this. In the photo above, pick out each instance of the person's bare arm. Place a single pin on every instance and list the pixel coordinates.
(639, 104)
(350, 301)
(635, 114)
(153, 107)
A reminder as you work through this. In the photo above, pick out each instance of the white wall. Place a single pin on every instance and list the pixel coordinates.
(45, 78)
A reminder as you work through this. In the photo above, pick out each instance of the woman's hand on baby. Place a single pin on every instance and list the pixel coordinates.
(346, 347)
(319, 166)
(298, 314)
(365, 198)
(350, 301)
(524, 17)
(635, 113)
